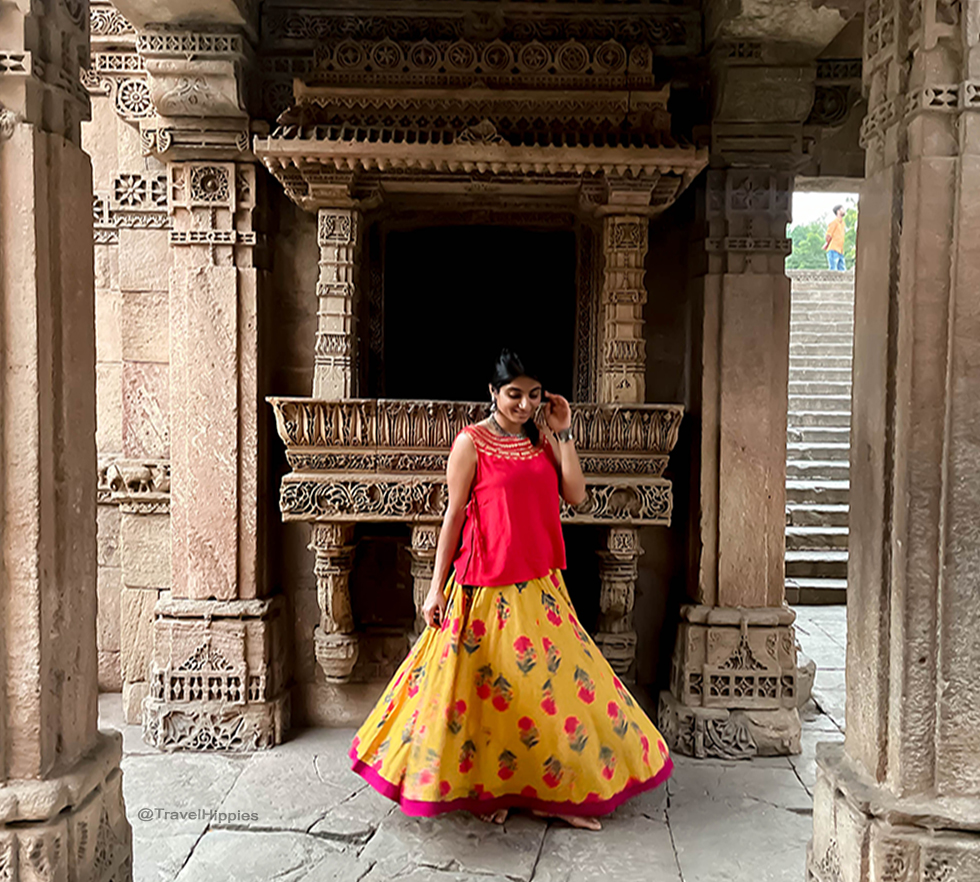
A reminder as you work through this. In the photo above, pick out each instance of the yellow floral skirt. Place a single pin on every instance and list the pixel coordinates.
(509, 704)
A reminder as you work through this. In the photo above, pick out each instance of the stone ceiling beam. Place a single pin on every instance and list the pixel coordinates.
(148, 15)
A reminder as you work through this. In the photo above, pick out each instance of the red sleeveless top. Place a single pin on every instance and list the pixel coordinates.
(512, 531)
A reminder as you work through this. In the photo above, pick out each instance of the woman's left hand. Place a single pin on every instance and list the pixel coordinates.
(557, 413)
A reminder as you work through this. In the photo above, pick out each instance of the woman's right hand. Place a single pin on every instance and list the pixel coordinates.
(434, 608)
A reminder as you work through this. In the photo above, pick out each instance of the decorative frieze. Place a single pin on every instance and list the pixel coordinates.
(413, 498)
(136, 200)
(138, 486)
(644, 429)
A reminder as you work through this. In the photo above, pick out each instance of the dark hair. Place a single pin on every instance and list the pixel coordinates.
(508, 368)
(837, 208)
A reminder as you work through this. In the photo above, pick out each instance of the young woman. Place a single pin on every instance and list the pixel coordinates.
(505, 702)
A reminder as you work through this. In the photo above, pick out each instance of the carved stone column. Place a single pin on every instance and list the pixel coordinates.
(334, 368)
(61, 805)
(623, 354)
(733, 674)
(617, 578)
(901, 799)
(217, 281)
(335, 640)
(425, 538)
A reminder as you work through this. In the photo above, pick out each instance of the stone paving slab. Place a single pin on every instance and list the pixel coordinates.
(456, 842)
(631, 849)
(281, 856)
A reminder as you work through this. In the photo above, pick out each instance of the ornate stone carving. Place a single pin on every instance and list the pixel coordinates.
(615, 636)
(338, 235)
(425, 538)
(643, 429)
(106, 21)
(335, 641)
(623, 364)
(136, 200)
(142, 486)
(217, 679)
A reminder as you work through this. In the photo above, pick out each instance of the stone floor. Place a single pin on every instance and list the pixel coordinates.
(297, 812)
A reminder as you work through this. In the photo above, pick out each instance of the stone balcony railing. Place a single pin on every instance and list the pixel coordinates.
(385, 460)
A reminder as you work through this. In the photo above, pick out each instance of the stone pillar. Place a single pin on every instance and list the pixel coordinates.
(618, 562)
(334, 360)
(622, 373)
(335, 639)
(425, 538)
(218, 626)
(61, 804)
(733, 673)
(901, 799)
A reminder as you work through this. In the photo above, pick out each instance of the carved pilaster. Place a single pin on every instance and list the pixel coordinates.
(425, 537)
(334, 370)
(623, 365)
(336, 642)
(617, 578)
(900, 800)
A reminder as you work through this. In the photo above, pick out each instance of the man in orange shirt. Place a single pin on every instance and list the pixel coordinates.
(834, 246)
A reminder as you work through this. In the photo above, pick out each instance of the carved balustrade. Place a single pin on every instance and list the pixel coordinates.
(378, 460)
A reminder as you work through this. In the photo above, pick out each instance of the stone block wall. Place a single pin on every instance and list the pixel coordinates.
(132, 305)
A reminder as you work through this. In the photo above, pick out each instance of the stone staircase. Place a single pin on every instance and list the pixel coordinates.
(818, 435)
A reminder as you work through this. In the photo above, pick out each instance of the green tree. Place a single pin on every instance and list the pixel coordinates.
(808, 241)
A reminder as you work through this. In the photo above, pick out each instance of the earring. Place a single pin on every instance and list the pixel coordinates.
(493, 404)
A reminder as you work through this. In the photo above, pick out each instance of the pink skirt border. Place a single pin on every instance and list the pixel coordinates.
(417, 808)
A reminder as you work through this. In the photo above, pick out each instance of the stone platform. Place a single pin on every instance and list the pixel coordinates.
(296, 814)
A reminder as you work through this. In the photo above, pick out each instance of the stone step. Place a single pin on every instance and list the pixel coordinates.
(815, 563)
(815, 537)
(820, 374)
(822, 350)
(841, 389)
(821, 325)
(829, 451)
(818, 469)
(801, 492)
(803, 592)
(816, 515)
(821, 312)
(823, 338)
(822, 297)
(819, 434)
(819, 402)
(819, 363)
(838, 419)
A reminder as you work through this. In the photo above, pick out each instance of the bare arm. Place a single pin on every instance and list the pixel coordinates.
(460, 471)
(558, 415)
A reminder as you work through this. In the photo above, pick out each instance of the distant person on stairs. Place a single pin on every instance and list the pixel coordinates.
(834, 246)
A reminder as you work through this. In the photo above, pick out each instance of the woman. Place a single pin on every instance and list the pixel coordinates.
(505, 701)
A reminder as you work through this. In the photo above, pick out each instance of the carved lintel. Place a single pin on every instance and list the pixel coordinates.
(425, 538)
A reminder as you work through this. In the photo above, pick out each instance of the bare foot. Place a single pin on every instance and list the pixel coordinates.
(583, 823)
(497, 817)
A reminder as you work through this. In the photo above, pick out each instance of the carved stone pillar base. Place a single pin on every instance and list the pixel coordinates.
(336, 654)
(863, 833)
(425, 537)
(71, 828)
(218, 676)
(618, 563)
(737, 669)
(704, 732)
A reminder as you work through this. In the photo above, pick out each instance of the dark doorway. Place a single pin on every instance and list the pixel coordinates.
(455, 295)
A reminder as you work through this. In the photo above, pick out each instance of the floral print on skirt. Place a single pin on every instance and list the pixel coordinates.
(509, 704)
